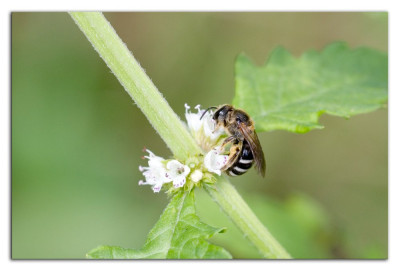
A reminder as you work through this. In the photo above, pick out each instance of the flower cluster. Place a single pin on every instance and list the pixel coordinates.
(161, 171)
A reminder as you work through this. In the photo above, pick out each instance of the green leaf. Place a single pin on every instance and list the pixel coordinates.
(178, 234)
(289, 93)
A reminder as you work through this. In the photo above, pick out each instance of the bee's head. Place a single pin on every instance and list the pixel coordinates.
(228, 114)
(222, 113)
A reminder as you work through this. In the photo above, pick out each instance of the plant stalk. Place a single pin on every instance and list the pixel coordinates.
(136, 82)
(225, 194)
(171, 129)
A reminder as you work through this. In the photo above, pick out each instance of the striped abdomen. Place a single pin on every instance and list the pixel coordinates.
(244, 161)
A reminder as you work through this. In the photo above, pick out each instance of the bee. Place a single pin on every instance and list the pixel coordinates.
(245, 147)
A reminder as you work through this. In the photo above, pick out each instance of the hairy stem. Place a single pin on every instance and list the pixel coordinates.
(225, 194)
(164, 120)
(136, 82)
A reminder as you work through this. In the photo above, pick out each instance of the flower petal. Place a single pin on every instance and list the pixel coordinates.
(177, 172)
(155, 174)
(213, 161)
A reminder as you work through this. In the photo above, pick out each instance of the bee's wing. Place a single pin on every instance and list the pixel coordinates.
(255, 146)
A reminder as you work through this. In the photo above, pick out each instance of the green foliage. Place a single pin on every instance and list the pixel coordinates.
(178, 234)
(290, 93)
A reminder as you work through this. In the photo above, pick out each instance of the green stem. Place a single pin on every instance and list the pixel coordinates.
(225, 194)
(136, 82)
(164, 120)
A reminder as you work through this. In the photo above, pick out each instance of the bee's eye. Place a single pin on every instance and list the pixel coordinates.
(238, 119)
(221, 113)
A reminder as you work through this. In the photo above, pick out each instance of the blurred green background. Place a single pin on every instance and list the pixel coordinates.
(77, 137)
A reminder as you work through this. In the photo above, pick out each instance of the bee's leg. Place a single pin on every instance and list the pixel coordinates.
(226, 141)
(234, 153)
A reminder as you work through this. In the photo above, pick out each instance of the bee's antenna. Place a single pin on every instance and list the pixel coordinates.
(211, 107)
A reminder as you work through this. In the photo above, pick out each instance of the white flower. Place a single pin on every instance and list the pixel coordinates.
(155, 173)
(203, 130)
(177, 172)
(196, 176)
(214, 161)
(160, 172)
(193, 119)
